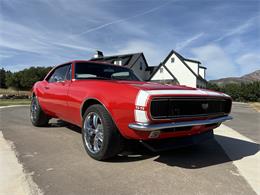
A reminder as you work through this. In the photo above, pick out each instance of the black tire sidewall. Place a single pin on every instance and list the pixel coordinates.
(34, 121)
(111, 136)
(41, 119)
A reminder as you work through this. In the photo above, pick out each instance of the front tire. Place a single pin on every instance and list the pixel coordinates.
(38, 117)
(100, 135)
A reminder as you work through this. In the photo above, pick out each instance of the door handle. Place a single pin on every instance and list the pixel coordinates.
(46, 87)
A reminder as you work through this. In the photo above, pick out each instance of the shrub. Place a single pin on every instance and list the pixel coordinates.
(239, 91)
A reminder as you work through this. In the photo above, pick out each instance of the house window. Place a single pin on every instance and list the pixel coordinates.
(141, 65)
(172, 60)
(161, 70)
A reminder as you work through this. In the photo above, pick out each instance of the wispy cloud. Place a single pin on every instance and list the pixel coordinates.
(239, 29)
(47, 32)
(219, 64)
(249, 62)
(76, 47)
(5, 56)
(13, 34)
(22, 38)
(187, 42)
(153, 55)
(121, 20)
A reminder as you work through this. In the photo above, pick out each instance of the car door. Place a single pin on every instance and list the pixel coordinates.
(56, 91)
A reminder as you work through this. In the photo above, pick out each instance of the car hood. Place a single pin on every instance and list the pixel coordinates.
(154, 86)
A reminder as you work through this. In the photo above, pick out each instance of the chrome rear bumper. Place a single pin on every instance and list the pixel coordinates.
(154, 127)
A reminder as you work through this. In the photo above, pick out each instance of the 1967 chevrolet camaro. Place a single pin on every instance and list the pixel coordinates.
(112, 105)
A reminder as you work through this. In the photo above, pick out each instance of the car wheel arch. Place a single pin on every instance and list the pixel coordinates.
(87, 103)
(91, 101)
(34, 92)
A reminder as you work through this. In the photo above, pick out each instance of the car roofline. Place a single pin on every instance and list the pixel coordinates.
(88, 61)
(78, 61)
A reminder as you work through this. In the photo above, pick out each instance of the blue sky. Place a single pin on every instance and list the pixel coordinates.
(223, 34)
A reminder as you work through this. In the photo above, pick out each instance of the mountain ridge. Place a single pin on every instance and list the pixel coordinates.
(247, 78)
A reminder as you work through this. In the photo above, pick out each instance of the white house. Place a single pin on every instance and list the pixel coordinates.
(177, 69)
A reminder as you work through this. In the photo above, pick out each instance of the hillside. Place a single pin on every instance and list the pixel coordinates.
(254, 76)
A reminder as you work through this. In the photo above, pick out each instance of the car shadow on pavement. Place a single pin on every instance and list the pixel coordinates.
(206, 154)
(57, 123)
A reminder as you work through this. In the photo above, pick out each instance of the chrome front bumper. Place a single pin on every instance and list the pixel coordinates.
(154, 127)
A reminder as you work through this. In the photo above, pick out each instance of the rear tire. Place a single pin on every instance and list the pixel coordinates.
(100, 135)
(38, 117)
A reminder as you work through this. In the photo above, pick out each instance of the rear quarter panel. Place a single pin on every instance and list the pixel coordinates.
(38, 90)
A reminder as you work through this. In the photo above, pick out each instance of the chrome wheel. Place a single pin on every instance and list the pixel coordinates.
(34, 109)
(93, 132)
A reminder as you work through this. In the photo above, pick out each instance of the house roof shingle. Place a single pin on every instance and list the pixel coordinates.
(190, 60)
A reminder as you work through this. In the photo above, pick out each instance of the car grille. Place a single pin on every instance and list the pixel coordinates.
(167, 108)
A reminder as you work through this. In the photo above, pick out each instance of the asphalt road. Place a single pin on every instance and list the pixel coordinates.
(246, 121)
(58, 163)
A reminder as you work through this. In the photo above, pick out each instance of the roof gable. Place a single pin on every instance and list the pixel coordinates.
(182, 59)
(168, 72)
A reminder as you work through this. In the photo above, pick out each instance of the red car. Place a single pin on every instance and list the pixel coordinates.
(112, 105)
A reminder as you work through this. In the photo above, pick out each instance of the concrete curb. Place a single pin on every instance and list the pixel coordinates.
(13, 179)
(242, 103)
(12, 106)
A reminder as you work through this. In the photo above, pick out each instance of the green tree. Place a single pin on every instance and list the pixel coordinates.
(213, 86)
(240, 91)
(24, 79)
(2, 78)
(8, 79)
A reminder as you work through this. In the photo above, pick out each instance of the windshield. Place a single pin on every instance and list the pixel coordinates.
(88, 70)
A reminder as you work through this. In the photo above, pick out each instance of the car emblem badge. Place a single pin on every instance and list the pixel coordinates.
(205, 106)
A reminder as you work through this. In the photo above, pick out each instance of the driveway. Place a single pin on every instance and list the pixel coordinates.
(246, 121)
(55, 159)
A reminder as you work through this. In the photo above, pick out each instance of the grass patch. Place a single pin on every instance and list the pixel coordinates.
(256, 106)
(8, 102)
(13, 92)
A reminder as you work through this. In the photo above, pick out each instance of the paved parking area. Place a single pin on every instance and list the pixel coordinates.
(246, 121)
(56, 160)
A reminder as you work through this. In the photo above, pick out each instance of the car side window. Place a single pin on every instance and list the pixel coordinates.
(59, 74)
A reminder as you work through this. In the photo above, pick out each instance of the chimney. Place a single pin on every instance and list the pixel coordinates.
(99, 54)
